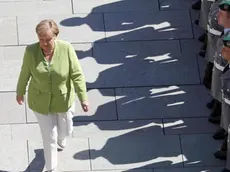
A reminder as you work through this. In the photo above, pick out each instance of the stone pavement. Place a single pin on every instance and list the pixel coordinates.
(144, 77)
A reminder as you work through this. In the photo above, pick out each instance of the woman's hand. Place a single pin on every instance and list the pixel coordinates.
(20, 99)
(85, 106)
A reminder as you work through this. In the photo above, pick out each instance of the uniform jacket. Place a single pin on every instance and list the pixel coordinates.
(51, 87)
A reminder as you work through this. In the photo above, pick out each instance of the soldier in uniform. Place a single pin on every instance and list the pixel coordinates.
(224, 20)
(226, 94)
(214, 32)
(203, 22)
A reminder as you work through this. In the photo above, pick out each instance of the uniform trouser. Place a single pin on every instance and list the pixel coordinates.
(54, 127)
(228, 150)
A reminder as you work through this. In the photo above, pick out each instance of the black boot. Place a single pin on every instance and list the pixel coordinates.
(220, 134)
(202, 37)
(210, 104)
(196, 22)
(225, 170)
(222, 153)
(216, 113)
(207, 80)
(197, 5)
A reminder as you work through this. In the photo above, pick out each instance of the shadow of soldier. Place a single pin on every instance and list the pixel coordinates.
(133, 150)
(38, 163)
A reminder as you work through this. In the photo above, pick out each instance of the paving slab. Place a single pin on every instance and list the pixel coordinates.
(5, 132)
(11, 112)
(148, 26)
(75, 28)
(11, 152)
(30, 132)
(141, 64)
(198, 169)
(66, 160)
(110, 129)
(196, 29)
(102, 106)
(137, 150)
(190, 47)
(101, 6)
(18, 8)
(198, 150)
(10, 64)
(189, 126)
(175, 4)
(162, 102)
(8, 30)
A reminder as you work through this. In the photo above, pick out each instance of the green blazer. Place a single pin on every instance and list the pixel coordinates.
(52, 87)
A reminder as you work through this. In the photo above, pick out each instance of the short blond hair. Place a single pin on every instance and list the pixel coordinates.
(45, 25)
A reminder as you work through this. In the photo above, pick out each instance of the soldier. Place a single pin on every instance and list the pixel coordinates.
(226, 93)
(214, 32)
(224, 20)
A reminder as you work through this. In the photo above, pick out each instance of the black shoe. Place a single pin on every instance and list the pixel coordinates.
(196, 22)
(222, 155)
(210, 104)
(225, 170)
(220, 134)
(197, 5)
(202, 37)
(216, 110)
(202, 53)
(214, 119)
(207, 80)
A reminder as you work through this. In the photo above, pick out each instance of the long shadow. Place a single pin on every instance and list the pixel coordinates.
(38, 163)
(136, 64)
(135, 149)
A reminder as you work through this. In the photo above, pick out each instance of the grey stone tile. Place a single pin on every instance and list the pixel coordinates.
(31, 118)
(189, 126)
(190, 47)
(66, 160)
(35, 7)
(175, 4)
(10, 64)
(30, 132)
(148, 26)
(73, 28)
(115, 128)
(102, 106)
(198, 150)
(165, 102)
(13, 155)
(196, 169)
(5, 132)
(99, 6)
(197, 30)
(140, 64)
(8, 30)
(139, 150)
(11, 112)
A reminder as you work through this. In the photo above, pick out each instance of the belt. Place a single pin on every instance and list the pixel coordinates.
(213, 31)
(227, 101)
(218, 66)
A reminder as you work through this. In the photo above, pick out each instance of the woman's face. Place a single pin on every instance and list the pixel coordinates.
(226, 53)
(46, 40)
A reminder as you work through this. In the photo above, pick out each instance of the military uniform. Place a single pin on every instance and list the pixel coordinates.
(203, 19)
(225, 81)
(219, 64)
(214, 31)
